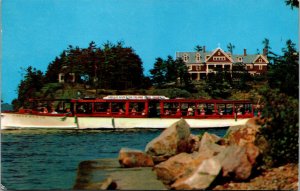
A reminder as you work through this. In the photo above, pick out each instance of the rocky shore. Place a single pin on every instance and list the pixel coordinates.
(179, 160)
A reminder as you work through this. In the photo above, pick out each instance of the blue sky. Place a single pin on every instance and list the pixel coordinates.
(34, 32)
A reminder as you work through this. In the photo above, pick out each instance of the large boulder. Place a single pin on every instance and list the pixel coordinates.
(200, 179)
(208, 145)
(238, 161)
(242, 135)
(134, 158)
(170, 142)
(176, 167)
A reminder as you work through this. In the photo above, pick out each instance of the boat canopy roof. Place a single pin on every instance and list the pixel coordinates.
(135, 97)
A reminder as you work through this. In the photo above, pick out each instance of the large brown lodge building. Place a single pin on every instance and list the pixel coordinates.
(201, 63)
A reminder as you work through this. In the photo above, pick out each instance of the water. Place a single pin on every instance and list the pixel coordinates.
(48, 159)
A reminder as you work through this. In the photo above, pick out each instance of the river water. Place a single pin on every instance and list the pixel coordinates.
(48, 159)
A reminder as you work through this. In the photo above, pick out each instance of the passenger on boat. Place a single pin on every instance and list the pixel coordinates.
(44, 110)
(190, 112)
(108, 111)
(202, 112)
(68, 111)
(144, 112)
(52, 111)
(121, 111)
(133, 111)
(167, 112)
(221, 112)
(178, 112)
(239, 112)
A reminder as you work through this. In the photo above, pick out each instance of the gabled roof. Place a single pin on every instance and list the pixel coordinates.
(192, 56)
(222, 52)
(261, 56)
(248, 59)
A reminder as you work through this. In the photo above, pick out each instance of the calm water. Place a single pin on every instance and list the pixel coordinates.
(48, 159)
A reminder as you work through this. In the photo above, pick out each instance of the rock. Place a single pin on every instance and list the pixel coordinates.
(175, 167)
(194, 143)
(170, 142)
(237, 161)
(134, 158)
(208, 146)
(211, 138)
(252, 152)
(242, 135)
(201, 178)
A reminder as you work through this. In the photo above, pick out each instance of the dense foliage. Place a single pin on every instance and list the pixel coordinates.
(171, 71)
(281, 107)
(110, 67)
(33, 81)
(222, 82)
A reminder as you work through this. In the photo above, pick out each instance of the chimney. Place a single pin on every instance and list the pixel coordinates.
(204, 49)
(265, 51)
(245, 52)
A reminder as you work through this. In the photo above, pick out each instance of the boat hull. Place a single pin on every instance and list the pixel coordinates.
(17, 121)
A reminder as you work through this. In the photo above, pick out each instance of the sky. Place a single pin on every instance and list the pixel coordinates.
(34, 32)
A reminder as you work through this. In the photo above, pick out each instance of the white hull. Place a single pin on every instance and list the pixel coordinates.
(17, 121)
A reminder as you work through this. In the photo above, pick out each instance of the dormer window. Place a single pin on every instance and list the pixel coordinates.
(197, 57)
(240, 59)
(260, 60)
(185, 57)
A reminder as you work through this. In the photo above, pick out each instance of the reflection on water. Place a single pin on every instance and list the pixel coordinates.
(48, 159)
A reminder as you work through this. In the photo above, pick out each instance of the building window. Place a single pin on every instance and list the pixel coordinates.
(240, 59)
(219, 53)
(197, 57)
(185, 57)
(260, 60)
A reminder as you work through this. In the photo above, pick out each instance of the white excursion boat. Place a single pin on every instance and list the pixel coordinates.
(128, 111)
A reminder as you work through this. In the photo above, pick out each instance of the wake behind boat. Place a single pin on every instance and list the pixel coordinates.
(128, 111)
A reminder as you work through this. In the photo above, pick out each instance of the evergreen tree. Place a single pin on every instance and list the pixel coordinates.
(281, 108)
(33, 81)
(158, 73)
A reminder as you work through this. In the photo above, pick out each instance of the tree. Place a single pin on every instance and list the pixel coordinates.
(198, 48)
(281, 107)
(292, 3)
(110, 67)
(230, 47)
(266, 47)
(218, 84)
(158, 72)
(284, 73)
(33, 81)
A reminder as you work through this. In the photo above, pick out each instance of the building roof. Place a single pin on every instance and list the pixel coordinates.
(248, 59)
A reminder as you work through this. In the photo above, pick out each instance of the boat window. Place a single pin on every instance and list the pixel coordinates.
(154, 109)
(84, 108)
(228, 109)
(137, 108)
(118, 108)
(221, 109)
(102, 107)
(248, 108)
(209, 109)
